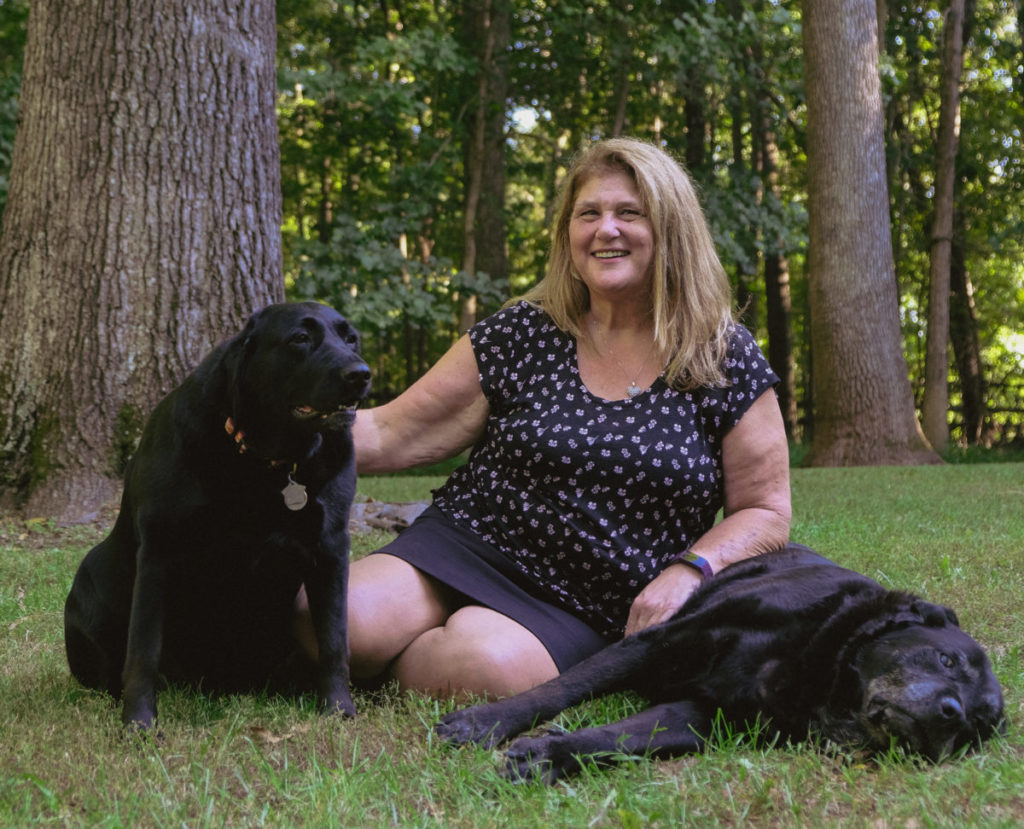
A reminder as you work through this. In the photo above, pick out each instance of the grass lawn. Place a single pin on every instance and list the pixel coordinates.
(954, 534)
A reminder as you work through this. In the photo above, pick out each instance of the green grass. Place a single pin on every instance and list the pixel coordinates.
(954, 534)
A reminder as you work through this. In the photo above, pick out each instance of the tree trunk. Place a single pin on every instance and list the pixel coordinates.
(143, 225)
(963, 329)
(622, 59)
(935, 411)
(486, 31)
(778, 308)
(746, 235)
(778, 298)
(864, 408)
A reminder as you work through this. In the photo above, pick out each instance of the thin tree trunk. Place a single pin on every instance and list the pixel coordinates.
(935, 410)
(963, 329)
(143, 225)
(778, 300)
(622, 52)
(325, 208)
(484, 247)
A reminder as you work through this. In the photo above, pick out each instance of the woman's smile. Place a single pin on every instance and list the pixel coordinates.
(610, 236)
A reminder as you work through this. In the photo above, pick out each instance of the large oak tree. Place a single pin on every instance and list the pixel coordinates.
(142, 225)
(863, 405)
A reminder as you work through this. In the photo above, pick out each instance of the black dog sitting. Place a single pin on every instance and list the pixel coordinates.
(238, 493)
(788, 636)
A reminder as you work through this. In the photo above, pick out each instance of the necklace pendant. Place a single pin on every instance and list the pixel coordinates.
(294, 495)
(633, 390)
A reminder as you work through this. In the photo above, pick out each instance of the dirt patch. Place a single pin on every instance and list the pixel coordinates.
(394, 516)
(43, 533)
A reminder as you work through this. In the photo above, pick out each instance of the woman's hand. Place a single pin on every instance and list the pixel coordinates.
(662, 597)
(755, 467)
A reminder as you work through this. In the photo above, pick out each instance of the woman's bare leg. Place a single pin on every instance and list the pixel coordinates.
(390, 603)
(477, 651)
(400, 621)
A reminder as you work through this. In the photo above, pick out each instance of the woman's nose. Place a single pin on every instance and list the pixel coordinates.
(609, 226)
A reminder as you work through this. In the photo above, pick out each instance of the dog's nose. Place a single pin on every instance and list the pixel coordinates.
(355, 378)
(950, 708)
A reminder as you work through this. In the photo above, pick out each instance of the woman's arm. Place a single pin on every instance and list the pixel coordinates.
(437, 417)
(755, 468)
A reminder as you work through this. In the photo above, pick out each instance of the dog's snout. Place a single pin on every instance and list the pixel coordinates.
(950, 708)
(356, 373)
(355, 377)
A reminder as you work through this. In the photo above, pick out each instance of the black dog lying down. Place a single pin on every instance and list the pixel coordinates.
(238, 493)
(787, 636)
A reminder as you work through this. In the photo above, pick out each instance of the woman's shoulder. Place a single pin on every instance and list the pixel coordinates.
(743, 350)
(740, 340)
(510, 344)
(748, 372)
(516, 320)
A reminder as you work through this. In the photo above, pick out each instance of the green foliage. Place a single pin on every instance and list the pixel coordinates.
(378, 136)
(13, 24)
(386, 296)
(370, 152)
(989, 189)
(951, 533)
(374, 105)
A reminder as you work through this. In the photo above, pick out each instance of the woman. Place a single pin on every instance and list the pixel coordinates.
(612, 411)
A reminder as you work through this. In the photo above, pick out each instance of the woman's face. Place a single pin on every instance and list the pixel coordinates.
(610, 237)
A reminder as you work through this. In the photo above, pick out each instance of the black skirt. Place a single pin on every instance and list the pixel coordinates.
(480, 574)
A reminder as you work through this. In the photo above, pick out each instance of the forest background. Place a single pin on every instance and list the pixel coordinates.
(422, 143)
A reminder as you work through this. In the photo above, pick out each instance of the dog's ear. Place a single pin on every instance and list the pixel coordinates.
(935, 615)
(236, 351)
(234, 347)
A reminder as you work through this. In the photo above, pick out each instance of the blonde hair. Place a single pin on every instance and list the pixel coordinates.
(691, 297)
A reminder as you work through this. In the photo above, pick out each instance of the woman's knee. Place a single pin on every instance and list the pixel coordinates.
(390, 603)
(477, 652)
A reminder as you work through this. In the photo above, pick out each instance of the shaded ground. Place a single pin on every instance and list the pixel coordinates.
(43, 533)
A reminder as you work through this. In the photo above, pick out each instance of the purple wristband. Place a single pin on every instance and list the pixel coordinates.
(695, 561)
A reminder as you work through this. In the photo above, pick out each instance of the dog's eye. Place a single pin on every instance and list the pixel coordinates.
(348, 334)
(946, 660)
(300, 338)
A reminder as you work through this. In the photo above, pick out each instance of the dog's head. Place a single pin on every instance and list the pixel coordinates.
(296, 370)
(928, 688)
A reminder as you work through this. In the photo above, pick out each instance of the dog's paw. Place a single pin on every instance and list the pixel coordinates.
(469, 725)
(340, 705)
(137, 719)
(533, 759)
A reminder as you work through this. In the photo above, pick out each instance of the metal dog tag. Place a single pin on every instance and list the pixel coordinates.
(294, 494)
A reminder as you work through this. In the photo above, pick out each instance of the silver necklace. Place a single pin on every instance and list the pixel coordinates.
(632, 389)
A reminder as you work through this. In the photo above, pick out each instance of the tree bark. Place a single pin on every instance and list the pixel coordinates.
(963, 330)
(622, 58)
(778, 297)
(864, 408)
(486, 31)
(143, 225)
(935, 409)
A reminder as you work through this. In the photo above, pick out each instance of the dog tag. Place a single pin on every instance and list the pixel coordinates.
(294, 495)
